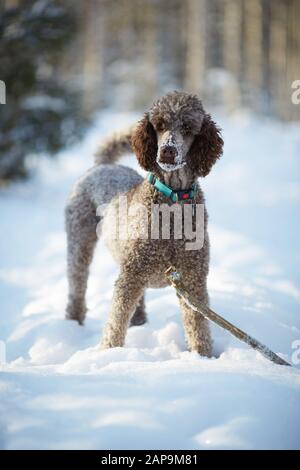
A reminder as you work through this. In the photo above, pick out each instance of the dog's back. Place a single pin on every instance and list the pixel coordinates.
(103, 182)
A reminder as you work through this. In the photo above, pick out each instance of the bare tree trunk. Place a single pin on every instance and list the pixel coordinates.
(195, 46)
(278, 48)
(151, 50)
(293, 57)
(253, 59)
(266, 70)
(93, 45)
(231, 52)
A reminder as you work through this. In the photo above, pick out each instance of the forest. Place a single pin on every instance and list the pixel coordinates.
(233, 53)
(63, 61)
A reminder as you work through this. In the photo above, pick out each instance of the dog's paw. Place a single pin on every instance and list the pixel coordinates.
(138, 320)
(76, 312)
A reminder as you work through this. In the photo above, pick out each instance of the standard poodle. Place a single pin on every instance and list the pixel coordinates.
(176, 142)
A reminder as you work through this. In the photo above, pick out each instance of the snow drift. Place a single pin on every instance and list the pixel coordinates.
(59, 392)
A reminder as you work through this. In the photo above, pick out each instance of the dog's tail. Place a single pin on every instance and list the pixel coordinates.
(114, 146)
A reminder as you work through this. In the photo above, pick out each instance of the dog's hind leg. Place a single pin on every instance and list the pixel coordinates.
(139, 317)
(81, 222)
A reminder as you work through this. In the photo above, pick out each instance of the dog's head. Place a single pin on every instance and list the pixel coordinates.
(177, 132)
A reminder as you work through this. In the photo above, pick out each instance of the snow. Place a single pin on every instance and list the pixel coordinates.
(57, 390)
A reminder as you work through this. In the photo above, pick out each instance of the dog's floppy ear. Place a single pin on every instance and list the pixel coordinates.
(144, 144)
(206, 148)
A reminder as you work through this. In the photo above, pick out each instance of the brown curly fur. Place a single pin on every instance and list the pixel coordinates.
(206, 148)
(144, 261)
(144, 144)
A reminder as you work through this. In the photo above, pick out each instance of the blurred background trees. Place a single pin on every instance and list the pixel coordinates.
(42, 110)
(121, 54)
(232, 52)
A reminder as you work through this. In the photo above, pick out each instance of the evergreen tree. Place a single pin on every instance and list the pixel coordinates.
(41, 110)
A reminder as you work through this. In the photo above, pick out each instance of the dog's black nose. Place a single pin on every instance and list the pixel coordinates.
(168, 154)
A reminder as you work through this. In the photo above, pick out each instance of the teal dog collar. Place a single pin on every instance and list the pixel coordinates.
(174, 195)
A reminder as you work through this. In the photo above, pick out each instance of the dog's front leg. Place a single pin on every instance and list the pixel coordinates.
(128, 291)
(197, 330)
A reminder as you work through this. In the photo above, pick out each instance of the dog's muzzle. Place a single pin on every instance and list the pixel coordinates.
(168, 154)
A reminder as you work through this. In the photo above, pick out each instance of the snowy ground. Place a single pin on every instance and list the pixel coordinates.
(57, 391)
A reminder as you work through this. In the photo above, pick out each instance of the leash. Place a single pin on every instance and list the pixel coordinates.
(175, 280)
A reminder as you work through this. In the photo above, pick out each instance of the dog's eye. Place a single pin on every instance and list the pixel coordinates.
(186, 129)
(160, 126)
